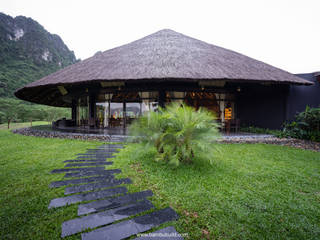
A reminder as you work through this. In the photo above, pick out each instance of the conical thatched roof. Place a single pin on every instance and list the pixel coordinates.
(166, 55)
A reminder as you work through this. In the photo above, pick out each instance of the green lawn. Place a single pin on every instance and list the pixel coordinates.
(253, 191)
(22, 125)
(25, 165)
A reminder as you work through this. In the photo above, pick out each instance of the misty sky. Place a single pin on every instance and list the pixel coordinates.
(283, 33)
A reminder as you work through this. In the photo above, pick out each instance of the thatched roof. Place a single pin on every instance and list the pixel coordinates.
(166, 55)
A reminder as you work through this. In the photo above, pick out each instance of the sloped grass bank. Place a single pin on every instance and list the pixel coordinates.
(253, 191)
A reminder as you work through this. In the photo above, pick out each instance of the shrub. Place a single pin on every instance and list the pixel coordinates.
(178, 132)
(305, 126)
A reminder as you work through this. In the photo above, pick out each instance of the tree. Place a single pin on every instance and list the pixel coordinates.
(3, 85)
(9, 110)
(2, 116)
(55, 113)
(21, 111)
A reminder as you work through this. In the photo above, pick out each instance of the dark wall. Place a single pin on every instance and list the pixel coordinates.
(301, 96)
(262, 106)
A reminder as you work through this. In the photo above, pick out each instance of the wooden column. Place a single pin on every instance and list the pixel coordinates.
(74, 111)
(140, 112)
(124, 110)
(92, 110)
(162, 98)
(109, 113)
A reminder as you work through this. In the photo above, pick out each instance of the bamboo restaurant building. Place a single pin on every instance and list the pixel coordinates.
(114, 87)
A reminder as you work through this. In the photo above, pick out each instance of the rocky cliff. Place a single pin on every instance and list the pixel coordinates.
(28, 52)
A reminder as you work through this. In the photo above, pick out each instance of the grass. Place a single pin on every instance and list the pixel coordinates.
(253, 191)
(4, 126)
(25, 165)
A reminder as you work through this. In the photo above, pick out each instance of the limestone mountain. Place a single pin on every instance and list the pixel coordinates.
(28, 52)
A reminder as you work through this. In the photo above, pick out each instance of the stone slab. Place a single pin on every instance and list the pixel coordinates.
(111, 144)
(118, 138)
(57, 184)
(105, 150)
(84, 160)
(63, 170)
(168, 233)
(95, 186)
(60, 202)
(102, 218)
(133, 226)
(92, 173)
(113, 147)
(88, 164)
(113, 202)
(104, 153)
(95, 155)
(93, 159)
(101, 149)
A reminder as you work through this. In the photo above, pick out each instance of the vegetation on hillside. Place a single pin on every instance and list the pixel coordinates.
(17, 73)
(28, 52)
(13, 110)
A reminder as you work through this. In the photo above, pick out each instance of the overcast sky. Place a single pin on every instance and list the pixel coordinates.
(283, 33)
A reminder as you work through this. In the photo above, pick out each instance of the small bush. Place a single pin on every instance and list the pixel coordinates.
(305, 126)
(178, 133)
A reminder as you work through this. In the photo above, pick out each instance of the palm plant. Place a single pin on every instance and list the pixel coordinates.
(178, 132)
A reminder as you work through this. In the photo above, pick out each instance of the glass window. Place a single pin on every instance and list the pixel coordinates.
(149, 101)
(102, 115)
(116, 114)
(133, 110)
(149, 105)
(82, 111)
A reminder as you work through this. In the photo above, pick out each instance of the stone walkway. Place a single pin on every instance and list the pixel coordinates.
(106, 209)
